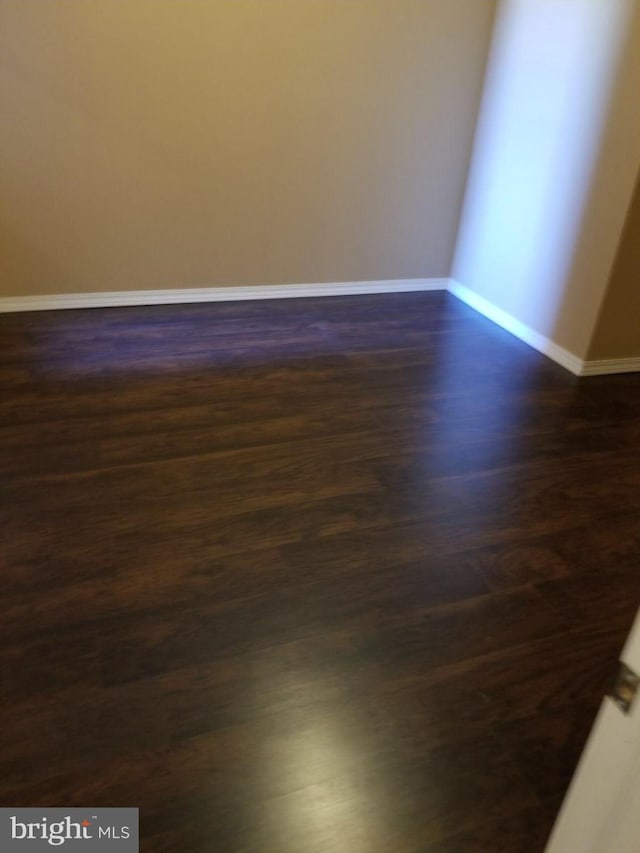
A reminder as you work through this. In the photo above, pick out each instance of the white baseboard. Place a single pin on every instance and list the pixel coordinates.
(605, 366)
(539, 342)
(217, 294)
(113, 299)
(525, 333)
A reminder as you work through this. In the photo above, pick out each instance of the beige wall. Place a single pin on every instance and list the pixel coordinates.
(555, 158)
(610, 195)
(617, 333)
(169, 143)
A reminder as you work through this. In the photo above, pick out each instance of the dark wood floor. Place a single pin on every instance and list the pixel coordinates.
(343, 575)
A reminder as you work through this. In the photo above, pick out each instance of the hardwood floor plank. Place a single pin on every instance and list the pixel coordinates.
(522, 832)
(307, 575)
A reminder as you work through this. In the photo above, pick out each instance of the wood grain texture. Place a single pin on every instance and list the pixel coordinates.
(307, 576)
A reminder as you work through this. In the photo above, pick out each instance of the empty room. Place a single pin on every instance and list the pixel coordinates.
(320, 426)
